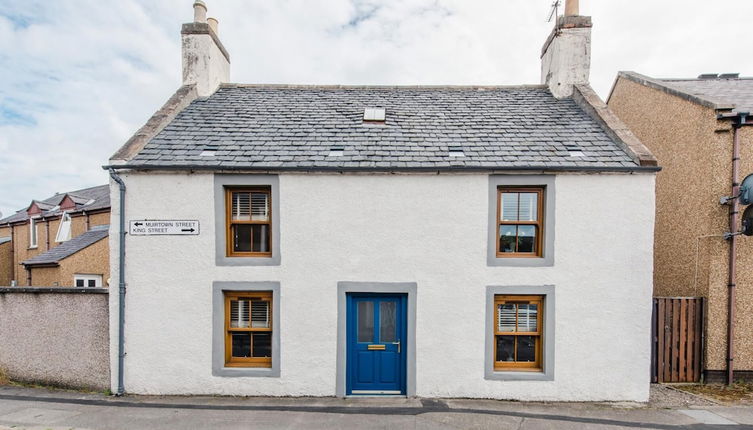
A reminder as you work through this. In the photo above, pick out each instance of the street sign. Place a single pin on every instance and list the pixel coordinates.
(167, 227)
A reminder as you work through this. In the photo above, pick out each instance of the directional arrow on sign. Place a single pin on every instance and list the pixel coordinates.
(188, 229)
(138, 224)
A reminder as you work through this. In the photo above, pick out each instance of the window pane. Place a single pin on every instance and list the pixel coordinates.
(527, 238)
(242, 238)
(365, 321)
(241, 210)
(526, 348)
(79, 282)
(505, 318)
(262, 345)
(92, 283)
(505, 348)
(387, 322)
(528, 207)
(260, 238)
(509, 207)
(259, 207)
(259, 314)
(241, 344)
(239, 313)
(528, 317)
(507, 238)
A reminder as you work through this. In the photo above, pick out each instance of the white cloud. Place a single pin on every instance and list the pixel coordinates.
(78, 77)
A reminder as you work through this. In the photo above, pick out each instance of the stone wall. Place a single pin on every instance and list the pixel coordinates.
(55, 336)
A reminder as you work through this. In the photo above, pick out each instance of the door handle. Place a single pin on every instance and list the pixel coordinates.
(398, 346)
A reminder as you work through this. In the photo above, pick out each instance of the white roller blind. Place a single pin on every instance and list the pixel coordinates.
(64, 231)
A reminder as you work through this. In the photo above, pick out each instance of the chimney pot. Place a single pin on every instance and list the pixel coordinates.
(199, 11)
(572, 8)
(213, 23)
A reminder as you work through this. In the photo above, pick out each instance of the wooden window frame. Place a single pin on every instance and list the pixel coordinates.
(231, 361)
(539, 223)
(527, 366)
(229, 222)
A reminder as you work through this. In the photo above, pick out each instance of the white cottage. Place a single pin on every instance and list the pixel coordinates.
(484, 242)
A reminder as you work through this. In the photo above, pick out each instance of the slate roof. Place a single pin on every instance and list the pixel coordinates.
(4, 240)
(99, 194)
(295, 127)
(737, 92)
(70, 247)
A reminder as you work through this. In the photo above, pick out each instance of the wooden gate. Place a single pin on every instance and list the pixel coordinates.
(677, 334)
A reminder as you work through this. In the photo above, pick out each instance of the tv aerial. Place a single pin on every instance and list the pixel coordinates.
(554, 12)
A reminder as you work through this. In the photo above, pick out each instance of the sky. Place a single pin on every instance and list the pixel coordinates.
(79, 77)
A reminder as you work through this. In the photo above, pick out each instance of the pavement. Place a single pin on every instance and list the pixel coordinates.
(43, 409)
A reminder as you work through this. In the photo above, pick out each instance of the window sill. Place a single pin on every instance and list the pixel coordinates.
(249, 365)
(33, 247)
(520, 261)
(246, 372)
(273, 260)
(518, 375)
(519, 369)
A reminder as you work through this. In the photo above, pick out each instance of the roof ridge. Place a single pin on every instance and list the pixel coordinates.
(385, 87)
(668, 88)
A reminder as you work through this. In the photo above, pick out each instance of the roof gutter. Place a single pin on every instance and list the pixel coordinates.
(121, 281)
(334, 169)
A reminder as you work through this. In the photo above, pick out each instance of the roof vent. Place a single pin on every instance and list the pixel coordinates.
(336, 151)
(456, 151)
(574, 151)
(729, 76)
(374, 115)
(708, 76)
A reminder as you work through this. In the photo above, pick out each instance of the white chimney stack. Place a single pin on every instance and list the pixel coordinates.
(566, 55)
(206, 63)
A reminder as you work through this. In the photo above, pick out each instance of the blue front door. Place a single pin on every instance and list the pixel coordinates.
(376, 335)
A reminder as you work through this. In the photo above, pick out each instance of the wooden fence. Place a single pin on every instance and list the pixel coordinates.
(677, 339)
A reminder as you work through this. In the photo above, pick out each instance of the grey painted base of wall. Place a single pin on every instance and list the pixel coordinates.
(720, 376)
(55, 336)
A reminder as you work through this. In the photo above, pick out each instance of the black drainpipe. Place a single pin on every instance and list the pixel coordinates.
(739, 120)
(121, 282)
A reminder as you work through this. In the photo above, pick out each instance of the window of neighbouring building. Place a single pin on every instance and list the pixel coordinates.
(518, 332)
(33, 232)
(248, 329)
(64, 231)
(87, 281)
(520, 216)
(249, 222)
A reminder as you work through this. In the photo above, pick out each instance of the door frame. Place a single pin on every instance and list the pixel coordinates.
(343, 289)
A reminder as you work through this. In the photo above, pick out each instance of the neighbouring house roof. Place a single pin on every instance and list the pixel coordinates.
(278, 127)
(87, 199)
(70, 247)
(4, 240)
(720, 93)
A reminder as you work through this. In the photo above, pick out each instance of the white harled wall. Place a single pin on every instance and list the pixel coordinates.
(428, 229)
